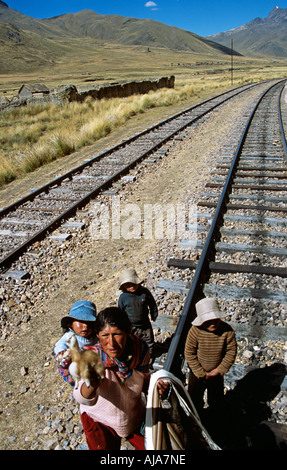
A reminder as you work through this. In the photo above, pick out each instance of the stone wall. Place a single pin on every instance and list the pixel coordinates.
(123, 89)
(70, 93)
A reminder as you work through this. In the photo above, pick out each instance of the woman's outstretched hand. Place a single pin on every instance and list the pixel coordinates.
(162, 386)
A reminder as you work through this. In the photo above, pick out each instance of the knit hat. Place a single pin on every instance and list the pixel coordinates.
(129, 275)
(82, 310)
(206, 309)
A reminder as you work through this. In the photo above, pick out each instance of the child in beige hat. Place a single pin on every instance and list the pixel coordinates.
(210, 351)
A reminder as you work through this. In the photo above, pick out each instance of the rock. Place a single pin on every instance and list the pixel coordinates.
(247, 354)
(50, 444)
(24, 371)
(24, 389)
(83, 446)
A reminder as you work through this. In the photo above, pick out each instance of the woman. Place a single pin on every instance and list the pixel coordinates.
(113, 408)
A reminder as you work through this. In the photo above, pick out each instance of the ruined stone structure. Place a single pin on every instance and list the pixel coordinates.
(39, 93)
(30, 91)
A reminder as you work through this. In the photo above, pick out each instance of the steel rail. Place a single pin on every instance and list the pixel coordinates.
(175, 356)
(68, 175)
(7, 260)
(283, 137)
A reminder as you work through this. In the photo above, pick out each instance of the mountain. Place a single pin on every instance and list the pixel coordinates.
(131, 31)
(261, 37)
(23, 51)
(112, 29)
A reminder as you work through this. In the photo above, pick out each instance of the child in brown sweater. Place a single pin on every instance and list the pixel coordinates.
(210, 351)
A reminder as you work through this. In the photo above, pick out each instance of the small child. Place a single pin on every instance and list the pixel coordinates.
(138, 302)
(210, 351)
(81, 320)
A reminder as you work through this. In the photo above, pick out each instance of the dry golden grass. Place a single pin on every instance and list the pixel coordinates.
(33, 136)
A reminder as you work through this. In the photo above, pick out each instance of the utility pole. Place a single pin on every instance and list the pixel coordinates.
(231, 62)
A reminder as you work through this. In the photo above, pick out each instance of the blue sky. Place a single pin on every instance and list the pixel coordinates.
(203, 17)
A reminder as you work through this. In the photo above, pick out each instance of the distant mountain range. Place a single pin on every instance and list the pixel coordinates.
(109, 28)
(28, 42)
(260, 37)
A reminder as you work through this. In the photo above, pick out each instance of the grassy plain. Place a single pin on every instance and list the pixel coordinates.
(34, 136)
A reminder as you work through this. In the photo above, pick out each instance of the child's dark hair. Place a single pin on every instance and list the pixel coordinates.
(69, 325)
(113, 316)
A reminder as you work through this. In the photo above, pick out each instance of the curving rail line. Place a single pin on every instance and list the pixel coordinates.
(46, 208)
(253, 204)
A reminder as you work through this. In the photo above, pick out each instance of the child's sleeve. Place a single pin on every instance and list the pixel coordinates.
(121, 302)
(190, 354)
(63, 363)
(152, 306)
(230, 353)
(63, 360)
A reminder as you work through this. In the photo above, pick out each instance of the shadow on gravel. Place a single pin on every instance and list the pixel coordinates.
(241, 421)
(162, 347)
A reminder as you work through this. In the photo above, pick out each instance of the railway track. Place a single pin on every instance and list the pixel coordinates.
(245, 201)
(241, 241)
(38, 214)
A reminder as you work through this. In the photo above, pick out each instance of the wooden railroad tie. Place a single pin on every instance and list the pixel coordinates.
(225, 268)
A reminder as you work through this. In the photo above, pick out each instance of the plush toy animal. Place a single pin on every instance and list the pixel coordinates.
(83, 362)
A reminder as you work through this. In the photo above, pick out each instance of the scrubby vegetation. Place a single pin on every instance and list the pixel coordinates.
(35, 135)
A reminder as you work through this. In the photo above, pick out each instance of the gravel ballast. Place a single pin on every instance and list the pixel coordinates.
(37, 409)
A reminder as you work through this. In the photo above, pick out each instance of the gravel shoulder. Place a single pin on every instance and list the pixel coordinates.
(37, 410)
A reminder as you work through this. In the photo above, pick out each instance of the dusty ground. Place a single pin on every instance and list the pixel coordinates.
(92, 273)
